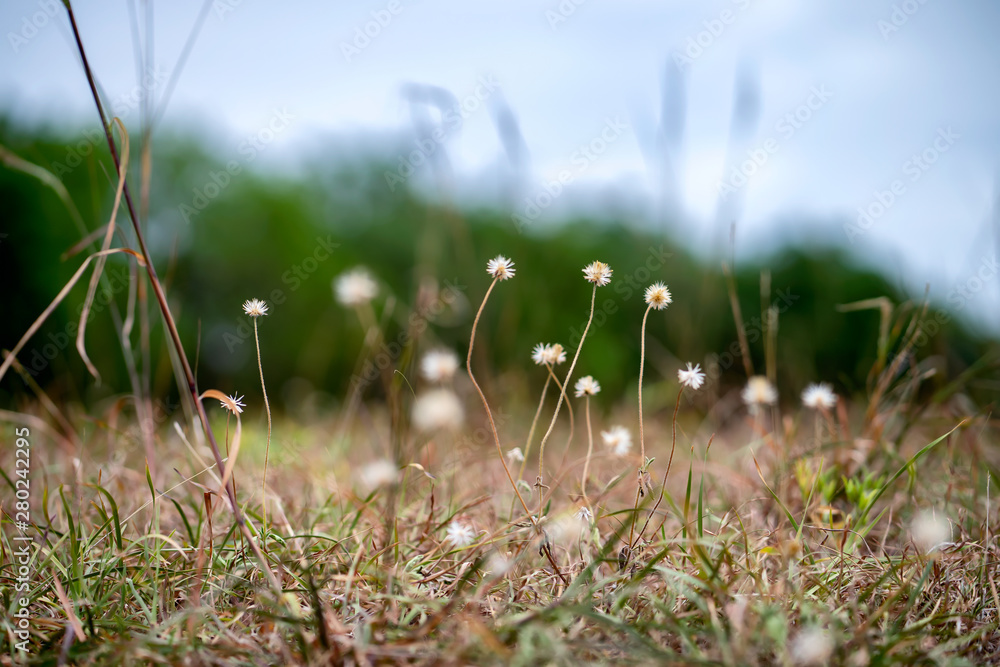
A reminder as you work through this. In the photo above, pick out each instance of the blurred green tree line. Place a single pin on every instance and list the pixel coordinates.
(222, 231)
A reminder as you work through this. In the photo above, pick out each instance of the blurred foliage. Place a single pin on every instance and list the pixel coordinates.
(220, 237)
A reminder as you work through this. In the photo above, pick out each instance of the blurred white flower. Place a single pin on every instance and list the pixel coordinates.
(930, 530)
(355, 287)
(584, 514)
(818, 396)
(439, 365)
(460, 534)
(691, 377)
(437, 409)
(500, 268)
(619, 439)
(515, 455)
(759, 391)
(377, 474)
(812, 646)
(587, 385)
(538, 354)
(554, 354)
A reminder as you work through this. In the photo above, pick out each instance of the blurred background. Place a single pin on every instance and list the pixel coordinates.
(828, 152)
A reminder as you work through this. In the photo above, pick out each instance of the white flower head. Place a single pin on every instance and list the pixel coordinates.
(598, 273)
(930, 530)
(355, 287)
(691, 376)
(438, 409)
(554, 354)
(587, 385)
(584, 514)
(439, 365)
(500, 268)
(255, 308)
(812, 646)
(377, 474)
(460, 534)
(618, 439)
(658, 296)
(233, 403)
(539, 354)
(759, 391)
(515, 455)
(817, 396)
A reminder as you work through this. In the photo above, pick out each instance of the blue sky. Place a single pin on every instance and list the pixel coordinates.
(887, 106)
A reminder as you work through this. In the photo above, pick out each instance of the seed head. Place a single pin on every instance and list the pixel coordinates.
(437, 409)
(500, 268)
(515, 455)
(812, 646)
(692, 376)
(587, 385)
(658, 296)
(233, 404)
(439, 365)
(377, 474)
(759, 391)
(619, 439)
(555, 354)
(930, 530)
(598, 273)
(355, 287)
(818, 396)
(460, 534)
(255, 308)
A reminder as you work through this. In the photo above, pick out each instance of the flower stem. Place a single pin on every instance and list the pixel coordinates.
(590, 449)
(569, 374)
(534, 423)
(267, 447)
(642, 364)
(482, 396)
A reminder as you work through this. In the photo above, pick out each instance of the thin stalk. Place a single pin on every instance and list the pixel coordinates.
(168, 318)
(642, 364)
(534, 423)
(267, 447)
(562, 394)
(482, 396)
(590, 449)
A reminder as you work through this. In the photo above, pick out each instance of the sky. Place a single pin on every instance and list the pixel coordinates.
(868, 123)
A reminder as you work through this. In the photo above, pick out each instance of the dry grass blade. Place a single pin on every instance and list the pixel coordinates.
(36, 325)
(99, 266)
(235, 448)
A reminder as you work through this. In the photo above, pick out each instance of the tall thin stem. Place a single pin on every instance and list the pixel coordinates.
(569, 374)
(168, 317)
(482, 396)
(267, 447)
(534, 423)
(642, 364)
(590, 449)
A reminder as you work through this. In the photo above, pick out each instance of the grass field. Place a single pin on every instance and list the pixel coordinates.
(830, 533)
